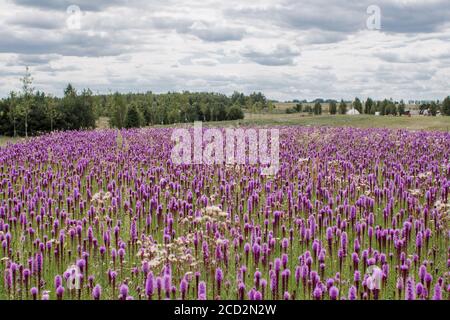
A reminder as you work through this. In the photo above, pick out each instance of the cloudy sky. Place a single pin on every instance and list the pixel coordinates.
(286, 48)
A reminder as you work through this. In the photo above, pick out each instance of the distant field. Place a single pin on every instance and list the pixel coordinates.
(102, 123)
(360, 121)
(5, 140)
(282, 106)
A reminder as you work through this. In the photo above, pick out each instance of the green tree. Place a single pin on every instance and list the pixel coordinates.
(333, 107)
(308, 109)
(76, 110)
(376, 108)
(423, 107)
(38, 120)
(235, 113)
(118, 111)
(13, 111)
(133, 119)
(391, 108)
(342, 107)
(27, 97)
(317, 108)
(298, 107)
(433, 108)
(401, 108)
(368, 106)
(51, 110)
(270, 106)
(86, 107)
(446, 106)
(358, 105)
(384, 107)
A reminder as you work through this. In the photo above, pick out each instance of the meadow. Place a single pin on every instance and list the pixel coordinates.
(353, 213)
(359, 121)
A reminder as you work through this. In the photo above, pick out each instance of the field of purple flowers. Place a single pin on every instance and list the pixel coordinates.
(107, 215)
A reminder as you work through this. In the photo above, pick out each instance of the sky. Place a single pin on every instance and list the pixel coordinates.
(287, 49)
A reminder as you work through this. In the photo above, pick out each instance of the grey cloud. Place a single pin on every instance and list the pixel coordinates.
(282, 55)
(322, 37)
(9, 73)
(39, 21)
(75, 43)
(395, 57)
(336, 16)
(203, 30)
(180, 25)
(402, 75)
(55, 70)
(350, 16)
(414, 17)
(413, 57)
(85, 5)
(32, 59)
(144, 31)
(217, 33)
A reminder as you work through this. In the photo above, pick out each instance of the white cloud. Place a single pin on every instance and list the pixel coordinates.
(286, 48)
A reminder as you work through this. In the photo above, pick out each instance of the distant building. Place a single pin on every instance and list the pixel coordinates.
(353, 112)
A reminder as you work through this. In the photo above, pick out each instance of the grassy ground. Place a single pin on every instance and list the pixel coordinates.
(360, 121)
(5, 140)
(102, 123)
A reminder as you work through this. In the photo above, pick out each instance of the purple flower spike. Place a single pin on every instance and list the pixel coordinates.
(183, 288)
(202, 291)
(149, 285)
(60, 292)
(437, 292)
(34, 292)
(352, 293)
(410, 289)
(97, 292)
(58, 281)
(317, 293)
(219, 278)
(334, 293)
(123, 292)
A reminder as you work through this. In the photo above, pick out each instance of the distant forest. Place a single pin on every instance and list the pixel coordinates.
(382, 107)
(30, 112)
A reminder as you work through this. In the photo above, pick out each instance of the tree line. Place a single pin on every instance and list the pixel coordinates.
(30, 112)
(383, 107)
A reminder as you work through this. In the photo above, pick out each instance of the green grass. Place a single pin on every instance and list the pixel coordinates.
(5, 140)
(102, 123)
(359, 121)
